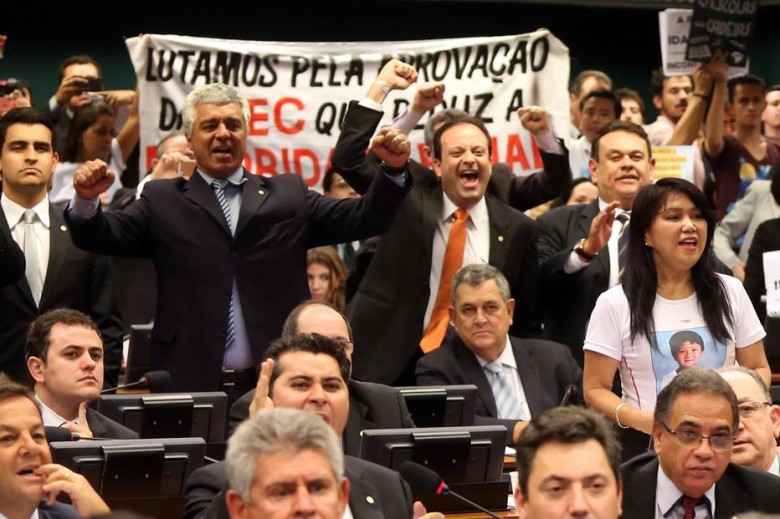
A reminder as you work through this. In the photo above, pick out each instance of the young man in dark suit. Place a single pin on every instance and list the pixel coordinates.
(65, 358)
(393, 306)
(229, 246)
(695, 421)
(308, 372)
(61, 275)
(539, 372)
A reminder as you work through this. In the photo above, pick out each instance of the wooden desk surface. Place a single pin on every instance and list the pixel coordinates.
(479, 515)
(509, 463)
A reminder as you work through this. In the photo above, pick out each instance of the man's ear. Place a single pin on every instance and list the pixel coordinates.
(235, 505)
(520, 502)
(35, 366)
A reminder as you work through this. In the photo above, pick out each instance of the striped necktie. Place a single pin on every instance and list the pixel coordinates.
(219, 186)
(506, 400)
(625, 219)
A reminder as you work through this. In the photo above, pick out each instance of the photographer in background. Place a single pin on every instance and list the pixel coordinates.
(14, 93)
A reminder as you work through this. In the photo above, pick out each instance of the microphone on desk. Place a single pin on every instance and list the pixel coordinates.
(572, 392)
(61, 434)
(151, 380)
(421, 477)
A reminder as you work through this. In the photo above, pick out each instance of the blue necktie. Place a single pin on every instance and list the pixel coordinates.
(219, 186)
(506, 400)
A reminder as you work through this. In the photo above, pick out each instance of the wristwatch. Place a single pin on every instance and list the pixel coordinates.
(580, 251)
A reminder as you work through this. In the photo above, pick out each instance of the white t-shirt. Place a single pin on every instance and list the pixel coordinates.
(644, 370)
(62, 181)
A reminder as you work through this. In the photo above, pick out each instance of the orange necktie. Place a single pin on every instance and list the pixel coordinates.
(453, 260)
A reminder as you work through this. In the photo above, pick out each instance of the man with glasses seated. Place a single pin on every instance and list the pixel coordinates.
(759, 421)
(690, 474)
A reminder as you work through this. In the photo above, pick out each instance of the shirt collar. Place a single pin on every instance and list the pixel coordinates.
(619, 210)
(236, 178)
(774, 468)
(14, 212)
(667, 494)
(51, 418)
(506, 358)
(478, 214)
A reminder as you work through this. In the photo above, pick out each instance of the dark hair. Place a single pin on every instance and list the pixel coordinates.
(568, 425)
(695, 380)
(619, 126)
(78, 59)
(603, 94)
(465, 119)
(748, 79)
(640, 278)
(83, 117)
(24, 115)
(564, 198)
(657, 79)
(10, 389)
(441, 117)
(38, 333)
(290, 326)
(683, 336)
(308, 342)
(601, 77)
(327, 179)
(627, 93)
(773, 88)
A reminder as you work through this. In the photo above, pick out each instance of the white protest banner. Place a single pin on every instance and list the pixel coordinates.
(674, 26)
(299, 92)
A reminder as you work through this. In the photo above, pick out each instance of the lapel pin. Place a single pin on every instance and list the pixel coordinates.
(370, 500)
(500, 238)
(63, 228)
(260, 191)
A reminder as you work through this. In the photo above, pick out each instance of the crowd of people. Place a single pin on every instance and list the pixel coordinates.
(590, 282)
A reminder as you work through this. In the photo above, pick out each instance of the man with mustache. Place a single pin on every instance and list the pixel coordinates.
(578, 244)
(690, 474)
(65, 358)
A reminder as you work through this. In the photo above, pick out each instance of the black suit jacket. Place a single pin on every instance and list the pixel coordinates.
(179, 224)
(546, 370)
(569, 298)
(371, 406)
(104, 427)
(11, 258)
(740, 489)
(375, 492)
(766, 239)
(74, 279)
(388, 310)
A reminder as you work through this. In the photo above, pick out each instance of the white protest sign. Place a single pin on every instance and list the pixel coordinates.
(772, 281)
(299, 92)
(674, 26)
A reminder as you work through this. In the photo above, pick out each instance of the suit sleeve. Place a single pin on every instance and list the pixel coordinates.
(349, 156)
(202, 493)
(11, 258)
(104, 309)
(526, 192)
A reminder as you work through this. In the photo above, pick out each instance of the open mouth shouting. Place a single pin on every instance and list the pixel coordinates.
(469, 178)
(690, 243)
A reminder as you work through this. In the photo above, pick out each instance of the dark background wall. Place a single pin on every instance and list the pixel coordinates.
(621, 41)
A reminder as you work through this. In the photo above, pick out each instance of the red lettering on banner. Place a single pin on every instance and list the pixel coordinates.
(515, 152)
(290, 160)
(298, 126)
(260, 110)
(151, 154)
(537, 156)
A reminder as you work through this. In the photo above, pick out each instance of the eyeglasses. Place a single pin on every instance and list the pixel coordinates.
(749, 408)
(689, 438)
